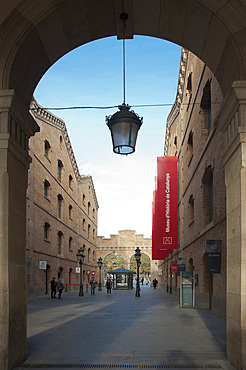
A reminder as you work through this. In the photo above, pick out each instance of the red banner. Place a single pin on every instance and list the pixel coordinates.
(174, 266)
(165, 217)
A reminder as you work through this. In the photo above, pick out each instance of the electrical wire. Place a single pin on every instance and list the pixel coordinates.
(116, 106)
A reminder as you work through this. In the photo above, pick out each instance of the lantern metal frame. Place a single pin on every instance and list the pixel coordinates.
(125, 123)
(138, 260)
(80, 256)
(100, 263)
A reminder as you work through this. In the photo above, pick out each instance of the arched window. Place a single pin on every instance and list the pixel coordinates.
(47, 148)
(59, 205)
(190, 146)
(46, 188)
(191, 209)
(83, 199)
(70, 212)
(189, 90)
(70, 241)
(89, 227)
(89, 254)
(89, 207)
(70, 180)
(191, 264)
(59, 241)
(46, 231)
(59, 170)
(83, 224)
(206, 113)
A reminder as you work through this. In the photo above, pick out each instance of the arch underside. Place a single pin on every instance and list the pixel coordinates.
(35, 34)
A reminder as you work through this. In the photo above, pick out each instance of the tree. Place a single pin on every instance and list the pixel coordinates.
(145, 264)
(112, 259)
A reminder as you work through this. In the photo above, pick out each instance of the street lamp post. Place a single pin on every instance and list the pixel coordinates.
(137, 256)
(100, 263)
(80, 255)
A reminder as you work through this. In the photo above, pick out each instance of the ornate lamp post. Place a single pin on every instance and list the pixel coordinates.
(80, 255)
(100, 263)
(137, 256)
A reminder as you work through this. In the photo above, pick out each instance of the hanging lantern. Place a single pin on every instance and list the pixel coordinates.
(124, 124)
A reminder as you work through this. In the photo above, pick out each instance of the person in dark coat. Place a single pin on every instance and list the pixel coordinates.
(109, 285)
(60, 287)
(155, 282)
(53, 287)
(93, 284)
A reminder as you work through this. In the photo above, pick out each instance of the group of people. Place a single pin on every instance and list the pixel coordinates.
(56, 285)
(59, 286)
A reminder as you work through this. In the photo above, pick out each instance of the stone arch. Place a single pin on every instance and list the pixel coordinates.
(36, 35)
(120, 254)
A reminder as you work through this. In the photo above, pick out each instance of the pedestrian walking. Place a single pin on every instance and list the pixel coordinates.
(155, 282)
(60, 287)
(142, 280)
(93, 284)
(109, 285)
(53, 287)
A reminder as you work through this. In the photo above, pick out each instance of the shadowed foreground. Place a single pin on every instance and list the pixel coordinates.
(122, 331)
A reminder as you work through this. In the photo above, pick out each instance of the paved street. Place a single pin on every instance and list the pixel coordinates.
(122, 331)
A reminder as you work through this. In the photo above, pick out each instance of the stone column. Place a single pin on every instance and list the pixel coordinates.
(232, 120)
(16, 126)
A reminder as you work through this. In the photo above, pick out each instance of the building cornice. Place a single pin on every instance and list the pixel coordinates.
(179, 97)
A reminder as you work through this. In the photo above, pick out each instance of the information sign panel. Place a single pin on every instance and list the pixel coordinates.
(77, 270)
(187, 289)
(181, 264)
(213, 256)
(42, 265)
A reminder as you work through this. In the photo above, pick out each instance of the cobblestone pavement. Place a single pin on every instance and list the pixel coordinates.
(122, 331)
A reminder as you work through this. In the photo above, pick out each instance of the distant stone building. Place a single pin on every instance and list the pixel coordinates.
(192, 136)
(125, 243)
(61, 208)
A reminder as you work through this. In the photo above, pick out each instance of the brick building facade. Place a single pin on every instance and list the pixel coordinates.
(192, 136)
(61, 208)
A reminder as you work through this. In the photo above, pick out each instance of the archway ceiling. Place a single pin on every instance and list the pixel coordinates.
(36, 33)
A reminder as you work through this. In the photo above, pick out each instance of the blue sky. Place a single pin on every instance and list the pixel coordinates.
(91, 75)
